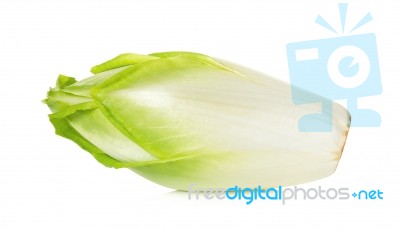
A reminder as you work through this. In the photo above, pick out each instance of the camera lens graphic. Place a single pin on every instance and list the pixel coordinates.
(348, 66)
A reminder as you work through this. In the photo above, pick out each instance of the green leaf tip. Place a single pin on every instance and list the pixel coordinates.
(120, 61)
(64, 81)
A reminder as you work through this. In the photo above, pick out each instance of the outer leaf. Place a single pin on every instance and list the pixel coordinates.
(96, 128)
(64, 129)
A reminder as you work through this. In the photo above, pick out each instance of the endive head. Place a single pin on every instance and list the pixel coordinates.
(179, 118)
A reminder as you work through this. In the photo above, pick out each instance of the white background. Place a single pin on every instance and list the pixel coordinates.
(47, 182)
